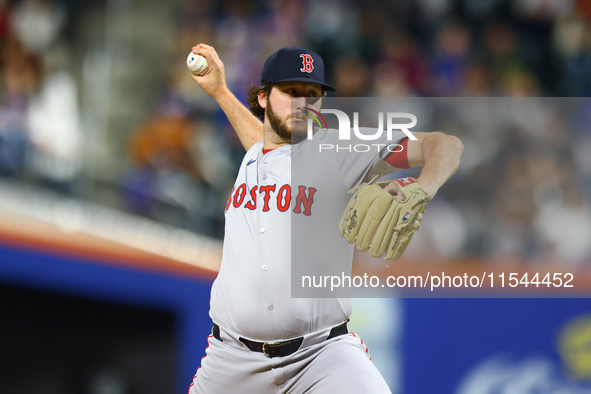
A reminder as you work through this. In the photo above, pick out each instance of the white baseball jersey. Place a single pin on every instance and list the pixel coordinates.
(251, 295)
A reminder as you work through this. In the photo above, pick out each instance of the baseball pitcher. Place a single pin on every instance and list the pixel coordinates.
(264, 341)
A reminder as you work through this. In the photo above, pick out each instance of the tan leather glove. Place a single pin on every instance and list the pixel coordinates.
(377, 221)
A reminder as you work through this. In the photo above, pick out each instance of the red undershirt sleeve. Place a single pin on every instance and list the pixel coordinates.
(399, 159)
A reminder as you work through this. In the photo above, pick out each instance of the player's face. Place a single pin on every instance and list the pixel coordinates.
(291, 127)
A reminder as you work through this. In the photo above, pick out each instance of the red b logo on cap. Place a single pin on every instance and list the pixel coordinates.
(307, 63)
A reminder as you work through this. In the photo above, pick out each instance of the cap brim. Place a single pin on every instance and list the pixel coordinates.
(307, 80)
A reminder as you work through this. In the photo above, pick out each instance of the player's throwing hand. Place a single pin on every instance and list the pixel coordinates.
(213, 82)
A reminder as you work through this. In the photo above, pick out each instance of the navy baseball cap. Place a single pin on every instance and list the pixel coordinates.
(294, 65)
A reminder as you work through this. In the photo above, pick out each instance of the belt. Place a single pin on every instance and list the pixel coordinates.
(283, 348)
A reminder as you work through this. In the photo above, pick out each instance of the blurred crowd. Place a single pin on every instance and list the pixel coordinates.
(522, 191)
(40, 134)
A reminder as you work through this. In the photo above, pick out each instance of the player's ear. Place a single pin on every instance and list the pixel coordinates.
(262, 98)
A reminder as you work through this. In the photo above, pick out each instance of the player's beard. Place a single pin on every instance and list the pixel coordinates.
(284, 127)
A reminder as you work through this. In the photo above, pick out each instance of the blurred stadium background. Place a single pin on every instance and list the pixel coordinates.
(115, 169)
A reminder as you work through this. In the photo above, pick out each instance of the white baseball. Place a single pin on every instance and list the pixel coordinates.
(197, 64)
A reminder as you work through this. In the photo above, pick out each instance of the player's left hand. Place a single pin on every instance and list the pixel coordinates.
(430, 189)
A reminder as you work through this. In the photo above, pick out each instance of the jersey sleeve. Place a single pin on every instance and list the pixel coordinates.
(361, 160)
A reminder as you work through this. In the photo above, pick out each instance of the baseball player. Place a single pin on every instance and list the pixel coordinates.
(264, 341)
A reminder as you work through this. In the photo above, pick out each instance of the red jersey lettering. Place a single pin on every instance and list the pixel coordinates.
(283, 198)
(239, 196)
(229, 199)
(267, 190)
(252, 204)
(306, 200)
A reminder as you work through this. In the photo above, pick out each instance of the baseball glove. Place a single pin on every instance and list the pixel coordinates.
(377, 221)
